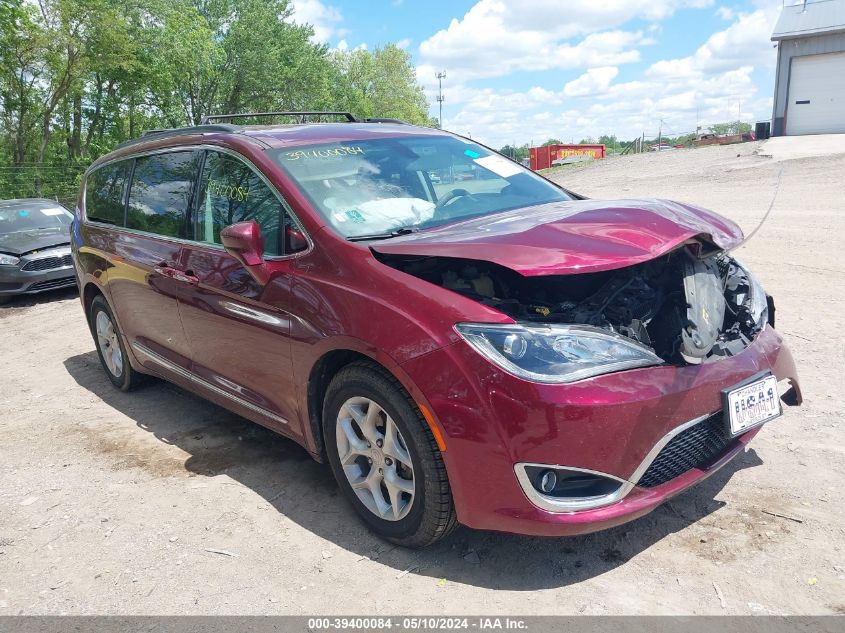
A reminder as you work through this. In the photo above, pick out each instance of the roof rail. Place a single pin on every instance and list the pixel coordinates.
(193, 129)
(303, 115)
(206, 127)
(151, 135)
(381, 120)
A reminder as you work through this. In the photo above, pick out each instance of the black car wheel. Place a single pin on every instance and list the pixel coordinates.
(385, 458)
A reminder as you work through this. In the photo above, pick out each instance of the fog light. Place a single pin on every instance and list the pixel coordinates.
(548, 481)
(561, 489)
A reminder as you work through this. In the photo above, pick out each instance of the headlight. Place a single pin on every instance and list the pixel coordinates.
(757, 302)
(555, 353)
(8, 260)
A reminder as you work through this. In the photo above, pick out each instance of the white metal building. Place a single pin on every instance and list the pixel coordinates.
(810, 81)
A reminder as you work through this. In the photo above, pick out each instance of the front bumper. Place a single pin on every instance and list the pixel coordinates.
(46, 270)
(608, 424)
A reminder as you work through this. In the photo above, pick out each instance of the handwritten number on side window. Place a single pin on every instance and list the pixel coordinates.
(333, 152)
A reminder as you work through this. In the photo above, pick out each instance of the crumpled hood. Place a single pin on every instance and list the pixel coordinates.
(571, 237)
(21, 242)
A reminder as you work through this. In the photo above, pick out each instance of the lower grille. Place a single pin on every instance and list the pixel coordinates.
(48, 263)
(696, 447)
(53, 283)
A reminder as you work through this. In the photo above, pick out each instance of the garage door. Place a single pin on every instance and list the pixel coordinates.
(817, 95)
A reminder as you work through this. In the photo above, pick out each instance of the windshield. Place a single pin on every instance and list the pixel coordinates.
(26, 218)
(379, 186)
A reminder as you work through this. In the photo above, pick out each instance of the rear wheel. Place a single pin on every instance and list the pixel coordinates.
(110, 347)
(385, 458)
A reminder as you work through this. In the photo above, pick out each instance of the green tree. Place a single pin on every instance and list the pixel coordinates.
(381, 83)
(610, 142)
(517, 153)
(21, 69)
(105, 102)
(732, 127)
(10, 13)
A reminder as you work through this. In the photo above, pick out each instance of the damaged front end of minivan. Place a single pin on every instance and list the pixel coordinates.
(693, 305)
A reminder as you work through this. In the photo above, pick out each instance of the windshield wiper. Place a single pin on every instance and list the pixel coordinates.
(405, 230)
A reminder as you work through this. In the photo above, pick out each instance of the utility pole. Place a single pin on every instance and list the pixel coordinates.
(660, 136)
(440, 77)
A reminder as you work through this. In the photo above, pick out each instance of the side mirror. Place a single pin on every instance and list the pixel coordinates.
(294, 240)
(244, 242)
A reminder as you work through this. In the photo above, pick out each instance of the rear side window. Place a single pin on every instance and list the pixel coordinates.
(104, 193)
(230, 191)
(161, 193)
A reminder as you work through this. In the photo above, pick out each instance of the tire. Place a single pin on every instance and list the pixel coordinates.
(116, 366)
(415, 519)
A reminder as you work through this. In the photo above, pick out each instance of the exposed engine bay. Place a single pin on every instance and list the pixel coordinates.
(690, 306)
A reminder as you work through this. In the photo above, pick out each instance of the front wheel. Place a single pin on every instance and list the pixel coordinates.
(385, 458)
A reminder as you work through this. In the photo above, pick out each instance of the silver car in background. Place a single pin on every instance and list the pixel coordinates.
(34, 247)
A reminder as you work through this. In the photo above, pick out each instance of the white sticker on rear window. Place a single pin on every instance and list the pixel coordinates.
(499, 166)
(54, 211)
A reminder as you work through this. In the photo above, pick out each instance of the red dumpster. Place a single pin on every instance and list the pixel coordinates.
(543, 157)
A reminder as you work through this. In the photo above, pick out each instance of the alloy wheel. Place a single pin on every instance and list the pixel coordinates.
(375, 458)
(109, 345)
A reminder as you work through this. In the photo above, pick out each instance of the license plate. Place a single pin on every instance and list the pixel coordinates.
(752, 403)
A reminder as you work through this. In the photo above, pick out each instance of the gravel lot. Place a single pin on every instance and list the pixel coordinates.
(158, 502)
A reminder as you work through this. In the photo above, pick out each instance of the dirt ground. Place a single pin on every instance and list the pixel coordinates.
(114, 503)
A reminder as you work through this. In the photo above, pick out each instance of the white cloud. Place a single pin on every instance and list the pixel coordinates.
(744, 42)
(708, 86)
(560, 19)
(324, 18)
(726, 13)
(496, 37)
(404, 43)
(494, 58)
(343, 47)
(627, 110)
(593, 81)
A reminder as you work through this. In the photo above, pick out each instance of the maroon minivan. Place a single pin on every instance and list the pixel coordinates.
(461, 339)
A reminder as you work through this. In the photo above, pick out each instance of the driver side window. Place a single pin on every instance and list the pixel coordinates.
(230, 191)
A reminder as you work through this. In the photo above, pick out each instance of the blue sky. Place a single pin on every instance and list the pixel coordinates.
(570, 69)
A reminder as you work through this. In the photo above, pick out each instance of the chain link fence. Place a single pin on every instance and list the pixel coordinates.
(56, 182)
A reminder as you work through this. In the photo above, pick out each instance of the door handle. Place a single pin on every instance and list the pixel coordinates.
(186, 277)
